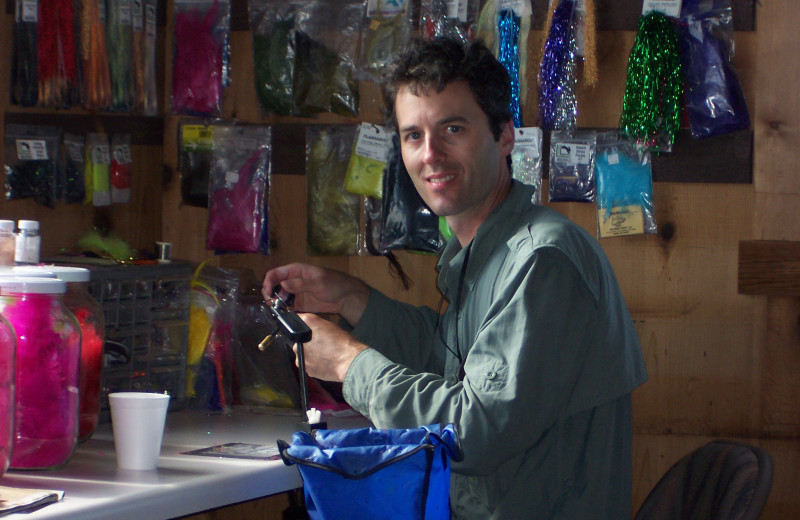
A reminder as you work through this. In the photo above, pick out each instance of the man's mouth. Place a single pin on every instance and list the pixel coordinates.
(440, 179)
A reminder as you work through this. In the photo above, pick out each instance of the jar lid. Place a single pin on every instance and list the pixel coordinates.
(38, 271)
(31, 285)
(68, 273)
(7, 225)
(28, 224)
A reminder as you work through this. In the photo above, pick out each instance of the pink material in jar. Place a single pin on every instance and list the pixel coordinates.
(48, 371)
(8, 344)
(89, 314)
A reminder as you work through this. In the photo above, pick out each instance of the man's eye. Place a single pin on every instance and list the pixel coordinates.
(453, 129)
(412, 136)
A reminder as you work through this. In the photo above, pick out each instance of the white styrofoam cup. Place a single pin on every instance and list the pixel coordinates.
(137, 419)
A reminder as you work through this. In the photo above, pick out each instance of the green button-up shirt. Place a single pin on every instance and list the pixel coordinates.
(550, 356)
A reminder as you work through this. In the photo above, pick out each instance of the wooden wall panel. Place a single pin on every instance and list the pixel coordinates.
(721, 364)
(777, 186)
(777, 114)
(695, 329)
(779, 378)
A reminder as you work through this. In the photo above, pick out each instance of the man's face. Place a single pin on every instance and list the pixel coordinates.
(450, 153)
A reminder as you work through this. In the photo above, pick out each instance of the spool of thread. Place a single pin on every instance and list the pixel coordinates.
(164, 252)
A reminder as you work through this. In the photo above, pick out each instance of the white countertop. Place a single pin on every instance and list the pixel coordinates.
(182, 484)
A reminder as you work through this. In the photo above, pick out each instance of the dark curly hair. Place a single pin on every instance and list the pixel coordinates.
(434, 64)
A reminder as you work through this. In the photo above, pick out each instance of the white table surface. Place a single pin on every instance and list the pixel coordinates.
(181, 484)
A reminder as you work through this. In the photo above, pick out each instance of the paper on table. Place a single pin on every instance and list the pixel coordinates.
(238, 450)
(16, 500)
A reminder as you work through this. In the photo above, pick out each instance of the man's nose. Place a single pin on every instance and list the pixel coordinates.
(434, 150)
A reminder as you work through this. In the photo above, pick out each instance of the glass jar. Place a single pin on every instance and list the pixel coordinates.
(8, 242)
(48, 371)
(28, 243)
(89, 314)
(8, 345)
(36, 271)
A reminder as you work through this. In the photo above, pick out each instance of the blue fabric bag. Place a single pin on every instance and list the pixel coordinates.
(369, 473)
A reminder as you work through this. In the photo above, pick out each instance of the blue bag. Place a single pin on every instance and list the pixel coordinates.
(369, 473)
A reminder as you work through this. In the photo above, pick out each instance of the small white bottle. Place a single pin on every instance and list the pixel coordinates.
(28, 244)
(7, 242)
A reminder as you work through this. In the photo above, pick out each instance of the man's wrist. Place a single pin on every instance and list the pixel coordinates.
(355, 303)
(356, 348)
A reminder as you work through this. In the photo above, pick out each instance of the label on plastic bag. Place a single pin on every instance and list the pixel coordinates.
(666, 7)
(621, 220)
(28, 11)
(457, 9)
(367, 162)
(122, 154)
(518, 7)
(573, 153)
(196, 137)
(74, 151)
(385, 8)
(137, 15)
(101, 154)
(32, 150)
(373, 142)
(124, 13)
(150, 20)
(529, 138)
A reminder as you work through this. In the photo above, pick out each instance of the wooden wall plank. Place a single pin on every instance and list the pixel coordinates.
(781, 353)
(144, 130)
(680, 287)
(725, 158)
(769, 267)
(777, 114)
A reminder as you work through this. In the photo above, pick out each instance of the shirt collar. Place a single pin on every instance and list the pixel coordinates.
(492, 232)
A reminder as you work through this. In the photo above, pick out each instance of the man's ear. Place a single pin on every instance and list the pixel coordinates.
(506, 140)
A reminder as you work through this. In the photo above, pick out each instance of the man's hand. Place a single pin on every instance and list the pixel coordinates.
(331, 350)
(320, 290)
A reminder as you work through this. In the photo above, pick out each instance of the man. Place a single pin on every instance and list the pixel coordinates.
(536, 356)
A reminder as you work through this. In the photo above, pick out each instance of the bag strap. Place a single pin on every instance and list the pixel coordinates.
(282, 447)
(423, 507)
(448, 438)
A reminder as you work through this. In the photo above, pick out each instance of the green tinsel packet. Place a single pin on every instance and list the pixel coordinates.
(651, 108)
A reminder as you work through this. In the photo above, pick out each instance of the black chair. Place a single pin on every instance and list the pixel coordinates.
(722, 480)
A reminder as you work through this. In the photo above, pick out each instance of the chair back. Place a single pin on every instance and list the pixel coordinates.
(722, 480)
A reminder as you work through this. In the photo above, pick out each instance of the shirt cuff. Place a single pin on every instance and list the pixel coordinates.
(359, 382)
